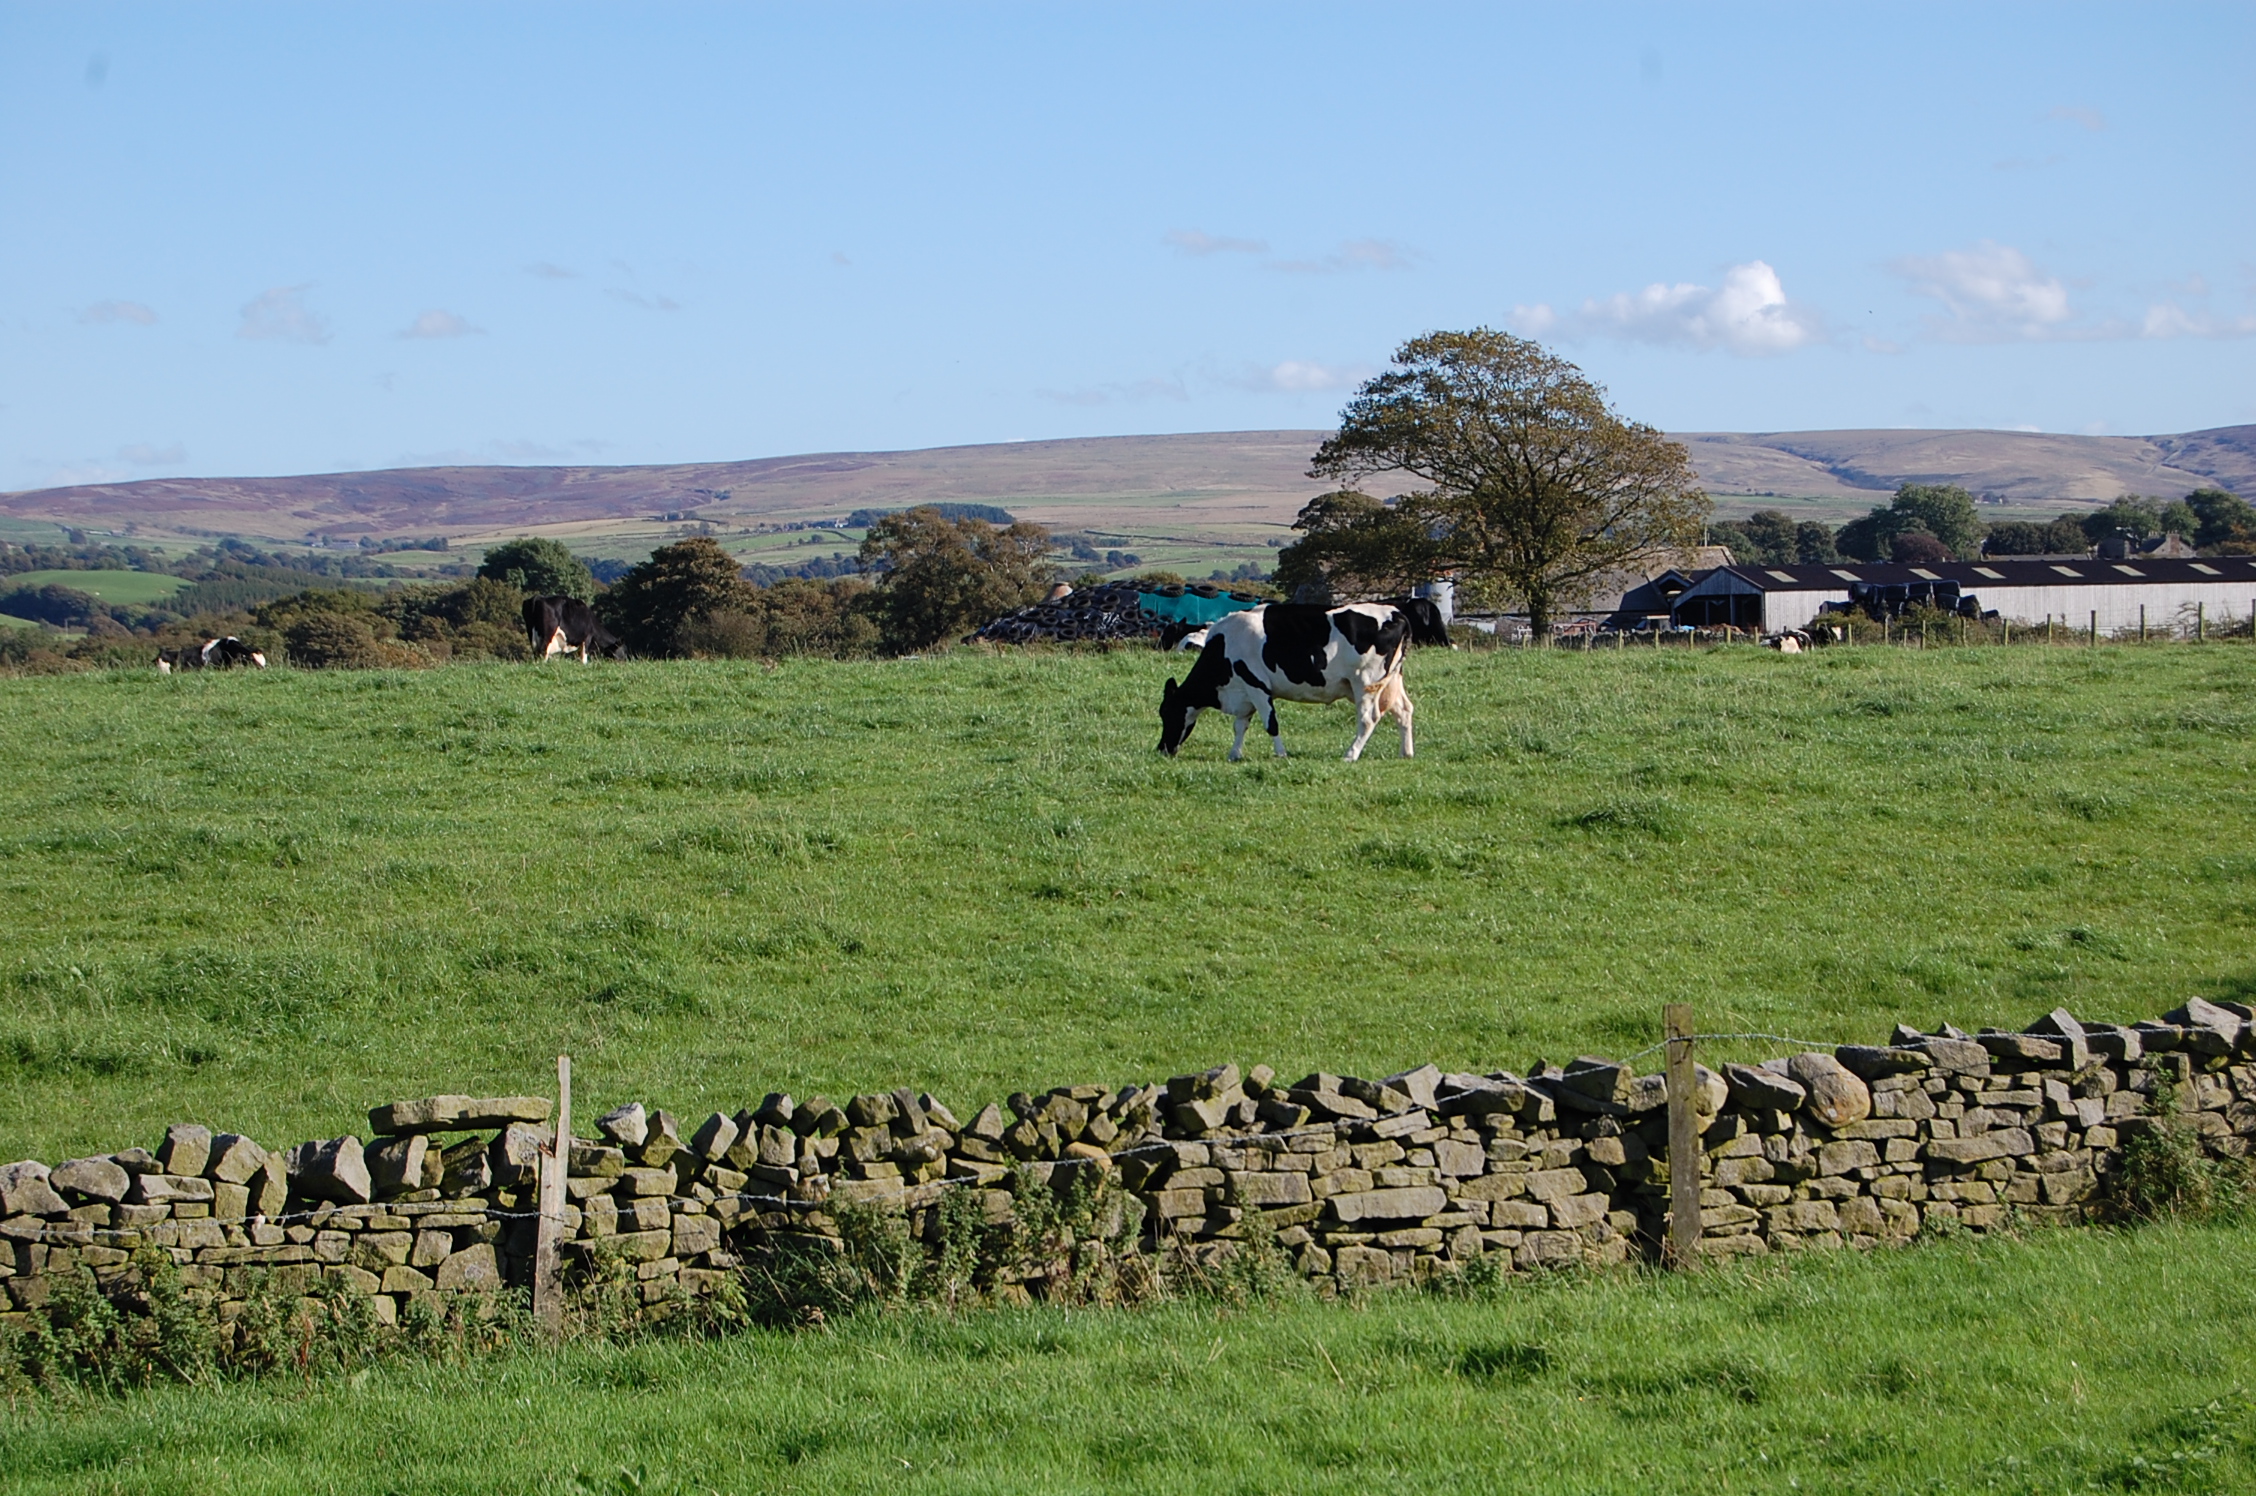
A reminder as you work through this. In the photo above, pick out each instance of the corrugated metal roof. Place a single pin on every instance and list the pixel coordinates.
(1995, 571)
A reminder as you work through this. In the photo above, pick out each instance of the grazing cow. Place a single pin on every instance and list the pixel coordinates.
(1293, 652)
(559, 625)
(1426, 626)
(212, 654)
(1186, 638)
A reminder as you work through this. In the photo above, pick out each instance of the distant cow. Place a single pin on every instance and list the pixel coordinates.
(212, 654)
(1294, 652)
(560, 625)
(1427, 630)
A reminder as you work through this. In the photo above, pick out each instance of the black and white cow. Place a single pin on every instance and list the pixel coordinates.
(212, 654)
(1426, 628)
(1294, 652)
(559, 625)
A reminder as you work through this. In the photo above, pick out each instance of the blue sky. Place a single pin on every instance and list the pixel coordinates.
(247, 239)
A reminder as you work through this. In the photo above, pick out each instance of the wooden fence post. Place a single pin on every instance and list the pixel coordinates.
(2200, 623)
(548, 1276)
(2093, 641)
(1683, 1138)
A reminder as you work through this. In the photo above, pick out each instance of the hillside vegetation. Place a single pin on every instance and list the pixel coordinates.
(266, 901)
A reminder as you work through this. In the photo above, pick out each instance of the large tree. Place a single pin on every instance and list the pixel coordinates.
(938, 578)
(1535, 487)
(1352, 545)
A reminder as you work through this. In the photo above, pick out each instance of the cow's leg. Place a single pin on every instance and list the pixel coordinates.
(1237, 743)
(1403, 711)
(1276, 739)
(1367, 713)
(555, 646)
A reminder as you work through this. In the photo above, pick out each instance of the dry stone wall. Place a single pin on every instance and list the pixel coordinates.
(1361, 1182)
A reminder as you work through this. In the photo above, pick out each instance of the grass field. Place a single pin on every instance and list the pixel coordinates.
(265, 901)
(109, 586)
(2070, 1362)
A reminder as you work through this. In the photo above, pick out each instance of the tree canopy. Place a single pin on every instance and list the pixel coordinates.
(939, 578)
(539, 566)
(1771, 537)
(679, 584)
(2060, 537)
(1943, 510)
(1354, 545)
(2222, 521)
(1535, 487)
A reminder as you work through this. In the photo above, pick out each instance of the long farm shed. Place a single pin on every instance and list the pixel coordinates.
(2122, 594)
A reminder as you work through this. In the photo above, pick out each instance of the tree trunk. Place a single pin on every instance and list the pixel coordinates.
(1539, 615)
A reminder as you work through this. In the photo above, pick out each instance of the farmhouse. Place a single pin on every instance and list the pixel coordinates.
(2122, 594)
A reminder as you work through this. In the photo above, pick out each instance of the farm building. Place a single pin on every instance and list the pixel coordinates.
(1771, 598)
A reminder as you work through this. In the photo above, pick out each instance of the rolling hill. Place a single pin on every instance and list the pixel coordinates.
(1229, 489)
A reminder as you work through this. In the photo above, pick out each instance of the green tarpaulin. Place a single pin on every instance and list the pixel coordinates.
(1191, 608)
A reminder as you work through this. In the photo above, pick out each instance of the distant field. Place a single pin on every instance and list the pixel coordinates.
(265, 901)
(1209, 489)
(109, 586)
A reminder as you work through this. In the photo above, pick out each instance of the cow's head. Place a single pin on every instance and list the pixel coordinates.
(1176, 717)
(258, 658)
(165, 657)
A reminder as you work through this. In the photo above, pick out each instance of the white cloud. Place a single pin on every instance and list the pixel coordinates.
(141, 454)
(546, 271)
(2166, 319)
(1302, 376)
(1749, 313)
(1354, 254)
(1133, 392)
(1535, 321)
(1197, 242)
(2078, 114)
(438, 324)
(1992, 291)
(280, 313)
(647, 303)
(118, 311)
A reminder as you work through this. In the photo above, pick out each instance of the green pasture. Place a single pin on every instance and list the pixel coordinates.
(2069, 1362)
(265, 901)
(109, 586)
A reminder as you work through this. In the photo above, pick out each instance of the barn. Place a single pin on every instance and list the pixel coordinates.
(2117, 595)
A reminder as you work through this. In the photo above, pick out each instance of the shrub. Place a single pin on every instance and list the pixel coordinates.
(2164, 1171)
(940, 578)
(540, 567)
(1917, 548)
(649, 606)
(331, 641)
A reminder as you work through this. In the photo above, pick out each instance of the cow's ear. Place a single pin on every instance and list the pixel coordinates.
(1170, 690)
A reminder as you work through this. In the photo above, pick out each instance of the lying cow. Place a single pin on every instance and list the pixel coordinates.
(212, 654)
(1294, 652)
(560, 625)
